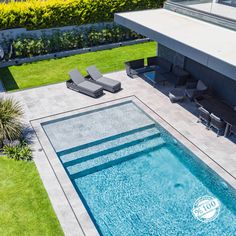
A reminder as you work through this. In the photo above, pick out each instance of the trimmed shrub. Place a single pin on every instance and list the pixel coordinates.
(28, 46)
(54, 13)
(19, 152)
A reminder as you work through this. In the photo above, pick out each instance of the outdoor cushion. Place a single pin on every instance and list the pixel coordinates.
(76, 76)
(79, 84)
(136, 64)
(201, 86)
(109, 81)
(176, 95)
(191, 93)
(139, 71)
(94, 73)
(135, 67)
(90, 86)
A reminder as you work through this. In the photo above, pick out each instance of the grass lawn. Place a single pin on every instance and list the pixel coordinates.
(56, 70)
(24, 205)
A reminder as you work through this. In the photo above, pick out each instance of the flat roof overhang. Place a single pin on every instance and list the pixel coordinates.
(208, 44)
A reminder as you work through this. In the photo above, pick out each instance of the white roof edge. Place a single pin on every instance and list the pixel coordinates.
(203, 42)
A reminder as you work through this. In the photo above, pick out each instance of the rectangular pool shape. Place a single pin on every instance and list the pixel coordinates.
(135, 179)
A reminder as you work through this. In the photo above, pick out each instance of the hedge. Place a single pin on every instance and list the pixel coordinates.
(29, 45)
(54, 13)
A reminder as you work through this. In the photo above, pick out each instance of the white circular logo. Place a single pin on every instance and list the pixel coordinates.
(206, 208)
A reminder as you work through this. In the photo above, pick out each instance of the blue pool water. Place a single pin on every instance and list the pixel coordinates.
(150, 75)
(142, 181)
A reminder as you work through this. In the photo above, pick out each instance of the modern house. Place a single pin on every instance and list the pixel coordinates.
(197, 35)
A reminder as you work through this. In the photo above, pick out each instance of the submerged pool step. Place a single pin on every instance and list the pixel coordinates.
(108, 160)
(106, 147)
(110, 150)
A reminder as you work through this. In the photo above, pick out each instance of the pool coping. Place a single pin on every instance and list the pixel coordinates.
(67, 204)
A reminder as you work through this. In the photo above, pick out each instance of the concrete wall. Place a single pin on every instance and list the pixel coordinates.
(175, 57)
(222, 85)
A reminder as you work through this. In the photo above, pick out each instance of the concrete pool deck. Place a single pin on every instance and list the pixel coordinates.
(179, 119)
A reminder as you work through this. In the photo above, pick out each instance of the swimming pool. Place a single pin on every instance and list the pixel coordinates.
(133, 177)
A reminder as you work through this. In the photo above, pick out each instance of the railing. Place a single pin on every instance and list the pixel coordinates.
(220, 12)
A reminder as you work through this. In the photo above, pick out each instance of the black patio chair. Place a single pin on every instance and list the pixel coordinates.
(204, 116)
(233, 129)
(135, 67)
(217, 123)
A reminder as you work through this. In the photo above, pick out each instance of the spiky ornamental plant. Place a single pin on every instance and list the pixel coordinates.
(10, 124)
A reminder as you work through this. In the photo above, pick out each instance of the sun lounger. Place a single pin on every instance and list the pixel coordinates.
(79, 84)
(107, 83)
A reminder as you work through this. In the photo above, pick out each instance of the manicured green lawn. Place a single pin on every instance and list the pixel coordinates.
(56, 70)
(24, 205)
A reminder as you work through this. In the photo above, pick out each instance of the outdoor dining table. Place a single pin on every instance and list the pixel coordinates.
(219, 108)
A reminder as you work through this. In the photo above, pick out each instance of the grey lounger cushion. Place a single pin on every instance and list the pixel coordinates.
(78, 83)
(107, 83)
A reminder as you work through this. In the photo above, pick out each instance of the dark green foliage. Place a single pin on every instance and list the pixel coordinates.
(28, 46)
(19, 152)
(53, 13)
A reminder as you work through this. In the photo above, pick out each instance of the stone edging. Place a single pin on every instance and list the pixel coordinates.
(20, 61)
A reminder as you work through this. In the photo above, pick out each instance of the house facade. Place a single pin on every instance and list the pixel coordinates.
(197, 35)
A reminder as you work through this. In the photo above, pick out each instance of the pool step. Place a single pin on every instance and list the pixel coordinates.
(107, 146)
(107, 151)
(116, 157)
